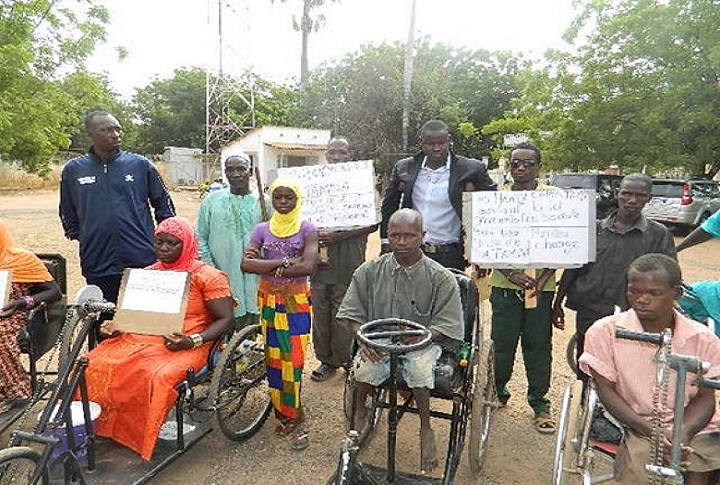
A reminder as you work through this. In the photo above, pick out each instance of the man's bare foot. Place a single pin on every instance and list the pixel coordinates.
(428, 453)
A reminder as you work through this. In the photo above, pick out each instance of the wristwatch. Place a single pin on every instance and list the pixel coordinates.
(286, 262)
(197, 340)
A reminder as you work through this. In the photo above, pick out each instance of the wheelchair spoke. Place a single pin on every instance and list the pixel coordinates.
(239, 386)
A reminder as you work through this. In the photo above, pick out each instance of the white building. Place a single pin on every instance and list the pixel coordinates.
(273, 147)
(184, 166)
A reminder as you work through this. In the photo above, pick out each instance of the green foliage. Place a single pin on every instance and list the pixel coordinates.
(642, 91)
(38, 40)
(360, 96)
(172, 111)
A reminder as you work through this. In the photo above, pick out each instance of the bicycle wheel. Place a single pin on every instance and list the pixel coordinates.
(239, 386)
(17, 465)
(484, 402)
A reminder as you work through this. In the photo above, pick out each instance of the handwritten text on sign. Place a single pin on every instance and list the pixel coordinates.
(154, 291)
(535, 228)
(337, 195)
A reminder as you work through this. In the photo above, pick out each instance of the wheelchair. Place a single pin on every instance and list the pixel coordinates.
(471, 389)
(39, 337)
(579, 458)
(229, 393)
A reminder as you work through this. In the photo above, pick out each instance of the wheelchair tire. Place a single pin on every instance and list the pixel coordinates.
(17, 465)
(70, 332)
(565, 469)
(239, 387)
(571, 353)
(378, 396)
(484, 402)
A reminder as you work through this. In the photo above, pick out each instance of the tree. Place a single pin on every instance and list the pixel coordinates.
(307, 24)
(38, 41)
(172, 111)
(642, 91)
(361, 96)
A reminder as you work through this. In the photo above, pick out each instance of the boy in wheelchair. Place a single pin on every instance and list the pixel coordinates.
(624, 372)
(404, 284)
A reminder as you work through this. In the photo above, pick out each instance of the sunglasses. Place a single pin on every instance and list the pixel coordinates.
(524, 163)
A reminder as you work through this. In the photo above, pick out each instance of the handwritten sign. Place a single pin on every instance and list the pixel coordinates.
(337, 195)
(5, 286)
(530, 229)
(152, 301)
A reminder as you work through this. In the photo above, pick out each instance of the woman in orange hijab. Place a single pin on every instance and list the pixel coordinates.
(133, 376)
(31, 284)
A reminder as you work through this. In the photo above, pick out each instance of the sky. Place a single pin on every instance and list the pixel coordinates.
(162, 35)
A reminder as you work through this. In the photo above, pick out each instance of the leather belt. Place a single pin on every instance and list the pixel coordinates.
(438, 248)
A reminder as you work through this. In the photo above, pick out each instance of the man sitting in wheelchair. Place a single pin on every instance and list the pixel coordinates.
(404, 284)
(625, 372)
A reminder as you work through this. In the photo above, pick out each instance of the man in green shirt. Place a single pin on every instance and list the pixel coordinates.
(224, 223)
(404, 284)
(342, 252)
(512, 321)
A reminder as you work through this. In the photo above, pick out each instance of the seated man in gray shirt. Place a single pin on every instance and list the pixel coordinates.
(404, 284)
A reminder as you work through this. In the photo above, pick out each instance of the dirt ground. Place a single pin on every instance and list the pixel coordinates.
(517, 453)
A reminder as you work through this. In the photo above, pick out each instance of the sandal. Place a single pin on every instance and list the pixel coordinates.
(299, 440)
(322, 373)
(544, 423)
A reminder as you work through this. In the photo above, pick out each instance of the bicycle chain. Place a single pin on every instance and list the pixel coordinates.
(660, 394)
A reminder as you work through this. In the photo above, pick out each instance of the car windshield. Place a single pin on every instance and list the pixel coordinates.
(667, 189)
(574, 181)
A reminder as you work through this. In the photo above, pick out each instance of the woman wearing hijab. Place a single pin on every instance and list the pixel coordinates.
(133, 376)
(31, 284)
(283, 251)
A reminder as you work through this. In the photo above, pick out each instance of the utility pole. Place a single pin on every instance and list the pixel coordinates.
(407, 77)
(220, 90)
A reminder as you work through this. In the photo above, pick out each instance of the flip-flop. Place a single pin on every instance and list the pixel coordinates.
(544, 423)
(299, 440)
(322, 373)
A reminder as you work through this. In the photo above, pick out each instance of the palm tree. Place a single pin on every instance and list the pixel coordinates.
(306, 25)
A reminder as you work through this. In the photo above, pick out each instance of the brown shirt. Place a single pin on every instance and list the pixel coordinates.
(600, 285)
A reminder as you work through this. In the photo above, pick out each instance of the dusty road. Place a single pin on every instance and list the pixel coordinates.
(517, 453)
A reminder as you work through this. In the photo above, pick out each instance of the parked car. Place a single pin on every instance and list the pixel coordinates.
(605, 187)
(683, 203)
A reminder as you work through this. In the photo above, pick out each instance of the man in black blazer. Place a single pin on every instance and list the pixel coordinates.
(432, 183)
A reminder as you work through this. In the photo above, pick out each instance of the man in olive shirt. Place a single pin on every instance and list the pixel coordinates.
(404, 284)
(329, 282)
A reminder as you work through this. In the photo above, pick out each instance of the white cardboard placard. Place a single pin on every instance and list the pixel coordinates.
(152, 301)
(530, 229)
(337, 195)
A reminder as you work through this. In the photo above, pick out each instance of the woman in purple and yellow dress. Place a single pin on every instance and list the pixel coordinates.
(283, 251)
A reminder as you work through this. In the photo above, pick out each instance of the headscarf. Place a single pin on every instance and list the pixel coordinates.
(183, 230)
(286, 225)
(25, 266)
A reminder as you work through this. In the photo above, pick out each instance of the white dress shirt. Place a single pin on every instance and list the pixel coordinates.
(431, 199)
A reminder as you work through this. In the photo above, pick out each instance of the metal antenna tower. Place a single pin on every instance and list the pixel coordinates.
(221, 90)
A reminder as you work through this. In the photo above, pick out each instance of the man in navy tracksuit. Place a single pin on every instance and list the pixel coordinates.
(105, 199)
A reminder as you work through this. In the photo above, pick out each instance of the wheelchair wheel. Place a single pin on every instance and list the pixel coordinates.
(484, 400)
(70, 333)
(378, 396)
(17, 465)
(239, 386)
(571, 353)
(567, 447)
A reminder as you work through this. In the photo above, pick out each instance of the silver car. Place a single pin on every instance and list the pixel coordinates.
(683, 203)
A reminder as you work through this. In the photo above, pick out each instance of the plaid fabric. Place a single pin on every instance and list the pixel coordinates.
(285, 318)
